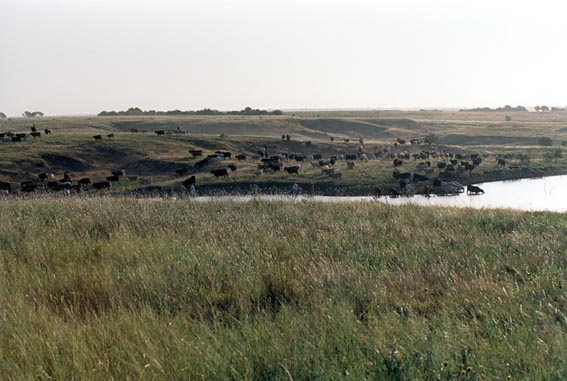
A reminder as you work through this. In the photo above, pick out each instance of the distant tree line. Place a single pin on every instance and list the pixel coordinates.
(132, 111)
(546, 108)
(517, 108)
(505, 108)
(32, 114)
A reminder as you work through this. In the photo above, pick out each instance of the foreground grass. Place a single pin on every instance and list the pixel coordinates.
(128, 289)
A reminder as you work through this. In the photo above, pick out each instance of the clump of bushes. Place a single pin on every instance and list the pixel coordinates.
(553, 154)
(544, 141)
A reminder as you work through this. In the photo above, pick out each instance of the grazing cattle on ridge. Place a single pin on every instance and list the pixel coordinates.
(113, 178)
(119, 173)
(97, 138)
(241, 157)
(417, 177)
(47, 131)
(377, 192)
(196, 152)
(65, 185)
(220, 172)
(473, 189)
(110, 136)
(189, 181)
(292, 170)
(84, 181)
(5, 186)
(160, 132)
(232, 167)
(404, 175)
(28, 186)
(102, 185)
(394, 193)
(35, 134)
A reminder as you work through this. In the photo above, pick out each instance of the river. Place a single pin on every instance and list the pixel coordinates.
(542, 194)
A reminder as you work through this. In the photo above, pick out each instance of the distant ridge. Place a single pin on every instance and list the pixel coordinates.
(488, 109)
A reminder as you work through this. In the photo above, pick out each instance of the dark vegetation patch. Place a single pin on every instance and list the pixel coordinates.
(471, 140)
(63, 162)
(147, 167)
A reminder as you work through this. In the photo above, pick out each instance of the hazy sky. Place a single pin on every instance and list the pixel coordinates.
(85, 56)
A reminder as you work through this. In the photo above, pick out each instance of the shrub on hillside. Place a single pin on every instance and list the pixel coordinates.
(544, 141)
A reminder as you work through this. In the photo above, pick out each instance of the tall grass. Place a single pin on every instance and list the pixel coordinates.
(134, 289)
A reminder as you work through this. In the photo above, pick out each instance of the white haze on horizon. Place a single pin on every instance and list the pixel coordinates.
(85, 56)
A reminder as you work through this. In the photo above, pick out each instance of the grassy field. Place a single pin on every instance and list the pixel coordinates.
(71, 147)
(124, 289)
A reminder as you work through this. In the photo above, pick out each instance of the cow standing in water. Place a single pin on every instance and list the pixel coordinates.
(294, 191)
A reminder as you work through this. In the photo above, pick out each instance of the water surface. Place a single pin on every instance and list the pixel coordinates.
(548, 193)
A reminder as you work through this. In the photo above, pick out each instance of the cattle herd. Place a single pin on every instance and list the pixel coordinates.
(435, 168)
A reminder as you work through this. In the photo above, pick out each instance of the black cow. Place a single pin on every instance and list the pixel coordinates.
(52, 185)
(118, 173)
(473, 189)
(102, 185)
(181, 171)
(47, 131)
(35, 134)
(220, 172)
(65, 185)
(110, 136)
(241, 157)
(43, 176)
(377, 192)
(160, 132)
(84, 181)
(232, 167)
(112, 178)
(97, 138)
(4, 186)
(196, 152)
(292, 170)
(404, 175)
(276, 167)
(417, 177)
(394, 193)
(16, 139)
(28, 186)
(188, 182)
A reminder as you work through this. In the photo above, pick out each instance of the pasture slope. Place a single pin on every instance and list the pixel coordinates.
(122, 289)
(71, 147)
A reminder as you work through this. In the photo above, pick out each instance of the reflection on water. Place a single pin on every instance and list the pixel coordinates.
(549, 193)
